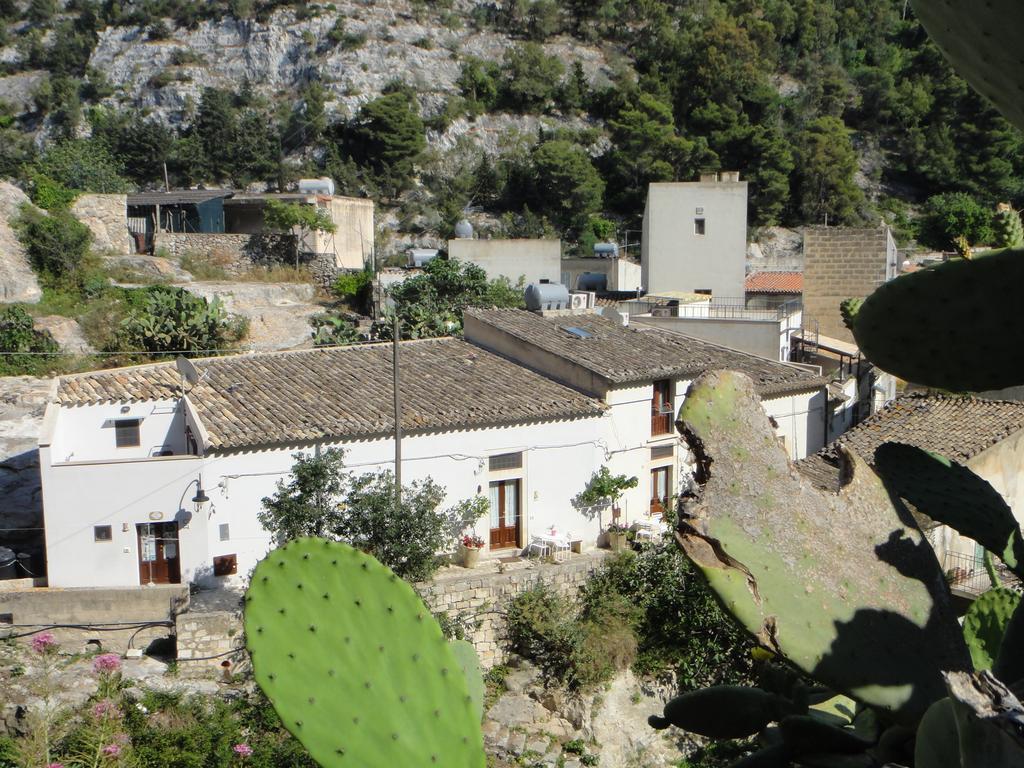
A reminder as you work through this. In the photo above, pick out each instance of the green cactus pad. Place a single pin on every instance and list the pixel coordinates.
(354, 663)
(806, 735)
(954, 326)
(843, 586)
(1009, 664)
(469, 662)
(985, 624)
(937, 745)
(953, 495)
(982, 42)
(722, 712)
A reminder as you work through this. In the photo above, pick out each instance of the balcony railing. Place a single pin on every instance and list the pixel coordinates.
(715, 308)
(966, 574)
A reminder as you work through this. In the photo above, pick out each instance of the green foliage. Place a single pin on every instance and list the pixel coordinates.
(142, 145)
(479, 83)
(604, 488)
(388, 136)
(330, 330)
(354, 288)
(82, 164)
(166, 319)
(56, 244)
(17, 335)
(529, 78)
(985, 624)
(951, 215)
(431, 304)
(827, 163)
(566, 185)
(321, 499)
(284, 217)
(320, 615)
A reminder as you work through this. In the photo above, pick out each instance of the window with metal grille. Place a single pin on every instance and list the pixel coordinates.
(505, 461)
(661, 452)
(699, 226)
(225, 531)
(126, 433)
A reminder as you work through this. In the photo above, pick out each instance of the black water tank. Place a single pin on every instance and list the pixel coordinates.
(7, 561)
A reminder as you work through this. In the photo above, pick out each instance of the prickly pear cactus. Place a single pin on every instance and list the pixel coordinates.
(843, 586)
(1006, 224)
(723, 711)
(848, 309)
(981, 41)
(954, 325)
(953, 495)
(985, 624)
(354, 663)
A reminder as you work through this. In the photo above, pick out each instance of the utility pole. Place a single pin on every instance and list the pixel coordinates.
(167, 184)
(398, 415)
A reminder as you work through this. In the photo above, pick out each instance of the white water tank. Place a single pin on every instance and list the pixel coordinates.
(321, 186)
(540, 296)
(464, 230)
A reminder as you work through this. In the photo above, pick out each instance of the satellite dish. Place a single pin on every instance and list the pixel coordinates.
(187, 370)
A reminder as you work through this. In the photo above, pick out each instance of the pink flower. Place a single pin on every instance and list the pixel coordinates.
(44, 642)
(111, 750)
(103, 708)
(107, 662)
(55, 765)
(243, 750)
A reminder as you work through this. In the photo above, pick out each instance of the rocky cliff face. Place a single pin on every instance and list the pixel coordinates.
(17, 280)
(278, 56)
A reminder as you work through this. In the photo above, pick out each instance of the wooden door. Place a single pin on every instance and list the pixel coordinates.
(159, 556)
(661, 423)
(504, 497)
(660, 490)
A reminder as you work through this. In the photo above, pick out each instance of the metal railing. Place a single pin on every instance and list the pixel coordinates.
(966, 574)
(715, 308)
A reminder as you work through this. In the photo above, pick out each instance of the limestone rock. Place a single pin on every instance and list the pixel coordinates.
(777, 248)
(517, 709)
(278, 313)
(65, 332)
(17, 280)
(149, 267)
(106, 218)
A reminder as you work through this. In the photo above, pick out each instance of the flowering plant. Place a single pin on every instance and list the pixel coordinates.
(617, 528)
(107, 663)
(472, 541)
(44, 642)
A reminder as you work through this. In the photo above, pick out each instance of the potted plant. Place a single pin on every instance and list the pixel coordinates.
(471, 546)
(617, 537)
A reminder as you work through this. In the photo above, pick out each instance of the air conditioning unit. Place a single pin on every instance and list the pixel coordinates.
(578, 301)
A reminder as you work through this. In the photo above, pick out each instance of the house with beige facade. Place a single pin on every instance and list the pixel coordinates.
(986, 436)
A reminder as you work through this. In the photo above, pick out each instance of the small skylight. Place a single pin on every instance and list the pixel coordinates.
(577, 332)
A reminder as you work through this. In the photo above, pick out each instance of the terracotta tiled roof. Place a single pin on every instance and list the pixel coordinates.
(633, 354)
(957, 427)
(774, 282)
(290, 397)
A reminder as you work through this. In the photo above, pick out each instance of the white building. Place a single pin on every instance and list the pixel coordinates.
(695, 236)
(641, 374)
(124, 454)
(529, 260)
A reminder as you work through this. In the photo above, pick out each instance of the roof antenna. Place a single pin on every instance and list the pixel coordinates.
(188, 373)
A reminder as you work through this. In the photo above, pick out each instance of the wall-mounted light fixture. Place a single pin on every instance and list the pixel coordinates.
(200, 499)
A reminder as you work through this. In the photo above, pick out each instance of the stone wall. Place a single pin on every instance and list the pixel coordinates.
(840, 263)
(234, 253)
(476, 599)
(106, 216)
(210, 634)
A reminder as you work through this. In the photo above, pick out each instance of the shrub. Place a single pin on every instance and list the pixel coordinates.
(56, 244)
(354, 289)
(332, 330)
(166, 319)
(83, 164)
(956, 214)
(17, 335)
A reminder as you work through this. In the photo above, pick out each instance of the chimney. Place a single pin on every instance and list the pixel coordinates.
(730, 176)
(708, 176)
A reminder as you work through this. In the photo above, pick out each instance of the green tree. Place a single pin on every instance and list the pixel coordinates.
(142, 146)
(309, 503)
(23, 349)
(827, 163)
(529, 78)
(388, 136)
(405, 536)
(41, 11)
(83, 164)
(56, 244)
(256, 151)
(215, 129)
(951, 215)
(431, 304)
(646, 149)
(566, 184)
(15, 147)
(478, 82)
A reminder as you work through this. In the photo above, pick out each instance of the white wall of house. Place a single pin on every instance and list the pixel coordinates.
(531, 260)
(559, 458)
(676, 256)
(87, 433)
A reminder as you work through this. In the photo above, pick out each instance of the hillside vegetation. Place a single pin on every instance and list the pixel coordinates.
(538, 116)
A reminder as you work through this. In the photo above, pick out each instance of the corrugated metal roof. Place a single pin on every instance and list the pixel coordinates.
(178, 196)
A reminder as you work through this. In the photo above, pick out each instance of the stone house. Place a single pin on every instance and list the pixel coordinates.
(987, 436)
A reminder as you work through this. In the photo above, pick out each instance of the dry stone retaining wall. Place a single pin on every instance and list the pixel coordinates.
(478, 599)
(234, 253)
(106, 217)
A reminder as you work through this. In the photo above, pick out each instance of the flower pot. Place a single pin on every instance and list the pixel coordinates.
(617, 540)
(470, 557)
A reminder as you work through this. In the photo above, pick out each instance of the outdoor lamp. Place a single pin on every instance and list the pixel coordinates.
(200, 499)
